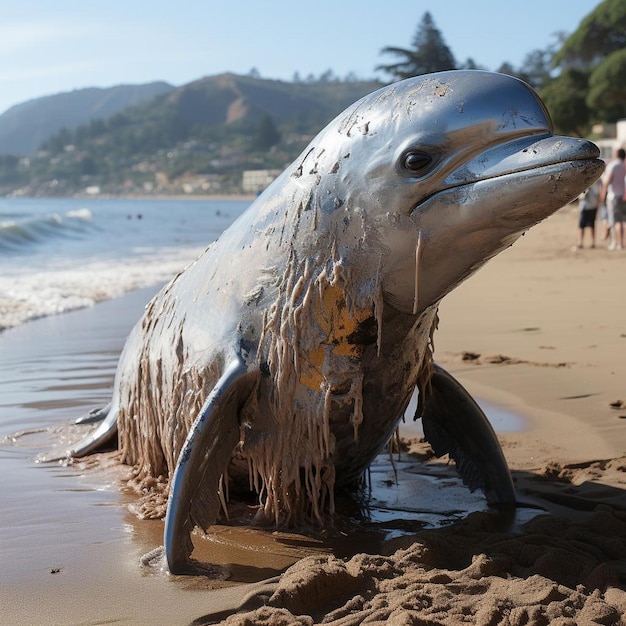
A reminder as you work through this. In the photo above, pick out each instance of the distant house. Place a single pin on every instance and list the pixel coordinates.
(609, 137)
(200, 183)
(257, 180)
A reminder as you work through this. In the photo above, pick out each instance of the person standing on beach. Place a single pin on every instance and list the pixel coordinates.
(588, 204)
(613, 194)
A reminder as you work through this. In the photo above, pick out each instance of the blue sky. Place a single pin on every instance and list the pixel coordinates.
(50, 47)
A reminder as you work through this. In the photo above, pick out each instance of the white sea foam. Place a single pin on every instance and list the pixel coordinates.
(81, 214)
(51, 291)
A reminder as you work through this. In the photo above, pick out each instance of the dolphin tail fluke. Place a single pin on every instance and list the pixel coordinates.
(194, 497)
(95, 415)
(98, 437)
(103, 434)
(454, 424)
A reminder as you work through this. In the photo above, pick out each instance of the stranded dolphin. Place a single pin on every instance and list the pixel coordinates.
(287, 353)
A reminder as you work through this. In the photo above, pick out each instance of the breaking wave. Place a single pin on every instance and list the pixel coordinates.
(22, 233)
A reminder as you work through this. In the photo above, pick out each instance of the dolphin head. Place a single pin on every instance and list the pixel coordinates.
(442, 172)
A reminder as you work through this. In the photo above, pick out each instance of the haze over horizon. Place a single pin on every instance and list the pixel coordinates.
(52, 48)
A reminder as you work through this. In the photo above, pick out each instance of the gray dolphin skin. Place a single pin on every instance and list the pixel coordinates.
(282, 360)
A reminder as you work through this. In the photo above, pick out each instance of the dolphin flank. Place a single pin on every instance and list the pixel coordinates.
(283, 358)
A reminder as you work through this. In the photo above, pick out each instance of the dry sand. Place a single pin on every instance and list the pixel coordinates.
(540, 332)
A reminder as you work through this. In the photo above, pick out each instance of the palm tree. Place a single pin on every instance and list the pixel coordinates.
(428, 54)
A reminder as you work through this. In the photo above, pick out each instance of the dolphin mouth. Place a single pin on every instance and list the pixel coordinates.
(518, 156)
(485, 204)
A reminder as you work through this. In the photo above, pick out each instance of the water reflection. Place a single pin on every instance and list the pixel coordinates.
(502, 420)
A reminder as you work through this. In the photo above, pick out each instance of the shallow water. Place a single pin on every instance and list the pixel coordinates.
(502, 420)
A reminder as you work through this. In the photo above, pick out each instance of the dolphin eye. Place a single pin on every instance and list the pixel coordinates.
(416, 160)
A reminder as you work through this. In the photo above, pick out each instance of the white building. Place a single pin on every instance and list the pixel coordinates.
(609, 137)
(255, 181)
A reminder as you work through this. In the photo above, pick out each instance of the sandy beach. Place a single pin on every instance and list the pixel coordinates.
(539, 332)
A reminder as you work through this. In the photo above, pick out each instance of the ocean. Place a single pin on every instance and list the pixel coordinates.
(58, 255)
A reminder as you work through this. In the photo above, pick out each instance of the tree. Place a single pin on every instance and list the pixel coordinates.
(58, 141)
(327, 77)
(597, 48)
(88, 166)
(537, 66)
(607, 87)
(267, 134)
(565, 98)
(507, 68)
(599, 34)
(470, 64)
(428, 54)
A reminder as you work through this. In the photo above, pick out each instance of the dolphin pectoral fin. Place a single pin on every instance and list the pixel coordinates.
(194, 497)
(453, 423)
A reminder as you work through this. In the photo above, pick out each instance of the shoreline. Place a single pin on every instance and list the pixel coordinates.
(181, 196)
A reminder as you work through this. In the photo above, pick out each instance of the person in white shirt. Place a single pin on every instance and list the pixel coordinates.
(613, 195)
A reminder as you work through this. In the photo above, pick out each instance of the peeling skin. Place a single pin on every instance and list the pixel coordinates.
(317, 393)
(328, 286)
(320, 336)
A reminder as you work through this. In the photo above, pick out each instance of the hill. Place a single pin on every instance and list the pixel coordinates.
(24, 127)
(198, 137)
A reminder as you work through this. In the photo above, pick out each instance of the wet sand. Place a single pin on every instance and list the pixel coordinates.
(539, 332)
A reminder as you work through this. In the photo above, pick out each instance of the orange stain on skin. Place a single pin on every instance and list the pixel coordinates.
(339, 325)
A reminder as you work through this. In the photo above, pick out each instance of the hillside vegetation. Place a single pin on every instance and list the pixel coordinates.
(195, 138)
(24, 127)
